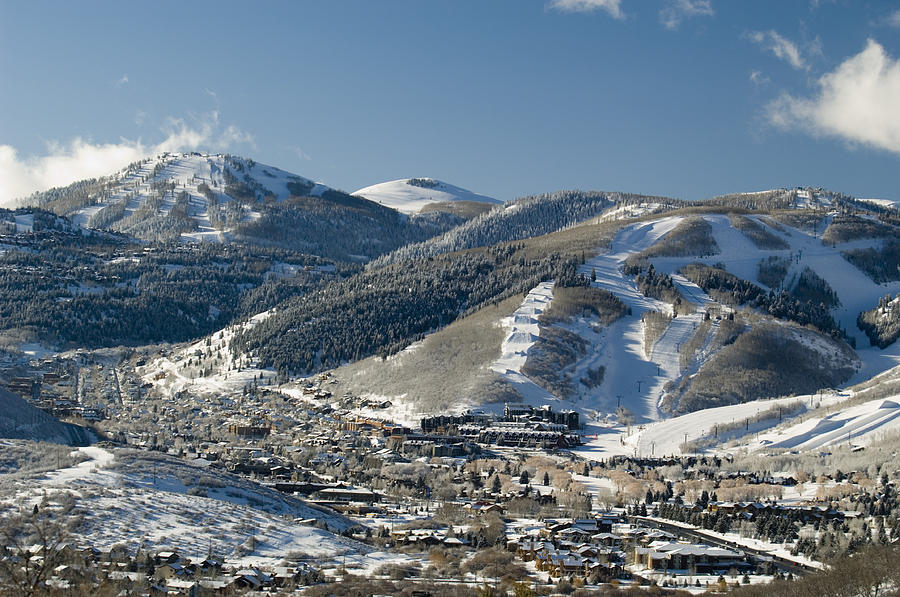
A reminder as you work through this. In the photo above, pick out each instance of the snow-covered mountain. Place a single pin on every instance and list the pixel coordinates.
(410, 195)
(200, 196)
(192, 197)
(767, 305)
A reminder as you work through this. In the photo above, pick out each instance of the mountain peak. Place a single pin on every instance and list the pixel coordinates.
(411, 195)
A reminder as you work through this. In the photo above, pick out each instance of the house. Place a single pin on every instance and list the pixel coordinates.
(177, 586)
(607, 539)
(166, 557)
(528, 549)
(689, 556)
(347, 494)
(216, 587)
(168, 570)
(482, 507)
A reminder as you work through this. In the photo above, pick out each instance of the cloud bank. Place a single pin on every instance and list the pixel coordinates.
(857, 102)
(611, 7)
(80, 158)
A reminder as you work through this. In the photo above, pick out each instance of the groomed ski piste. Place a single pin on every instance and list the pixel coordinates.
(635, 381)
(522, 332)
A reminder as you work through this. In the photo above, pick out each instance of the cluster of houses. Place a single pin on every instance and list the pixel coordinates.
(584, 548)
(51, 391)
(165, 573)
(600, 548)
(172, 574)
(802, 512)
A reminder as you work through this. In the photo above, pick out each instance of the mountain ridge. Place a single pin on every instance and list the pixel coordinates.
(220, 198)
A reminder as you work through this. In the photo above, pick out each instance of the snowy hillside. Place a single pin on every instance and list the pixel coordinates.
(158, 502)
(20, 420)
(192, 197)
(710, 350)
(797, 423)
(206, 367)
(794, 198)
(203, 196)
(410, 195)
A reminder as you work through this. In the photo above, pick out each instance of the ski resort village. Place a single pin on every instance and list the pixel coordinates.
(574, 393)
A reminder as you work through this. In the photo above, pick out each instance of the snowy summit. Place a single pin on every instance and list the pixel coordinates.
(410, 195)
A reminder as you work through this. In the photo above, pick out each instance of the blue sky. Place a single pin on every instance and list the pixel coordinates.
(686, 98)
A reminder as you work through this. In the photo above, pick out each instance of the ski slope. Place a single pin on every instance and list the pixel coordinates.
(523, 331)
(631, 379)
(221, 373)
(857, 425)
(636, 381)
(857, 292)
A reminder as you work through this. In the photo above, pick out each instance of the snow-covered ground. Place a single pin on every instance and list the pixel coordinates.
(154, 503)
(410, 199)
(857, 425)
(217, 374)
(522, 332)
(24, 223)
(807, 423)
(892, 203)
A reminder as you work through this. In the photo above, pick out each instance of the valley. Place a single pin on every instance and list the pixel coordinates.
(553, 394)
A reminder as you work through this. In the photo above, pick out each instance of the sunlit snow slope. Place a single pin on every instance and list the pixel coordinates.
(412, 194)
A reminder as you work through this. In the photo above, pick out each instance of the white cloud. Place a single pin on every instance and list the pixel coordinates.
(758, 78)
(781, 47)
(675, 11)
(80, 158)
(122, 80)
(299, 152)
(857, 102)
(612, 7)
(893, 19)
